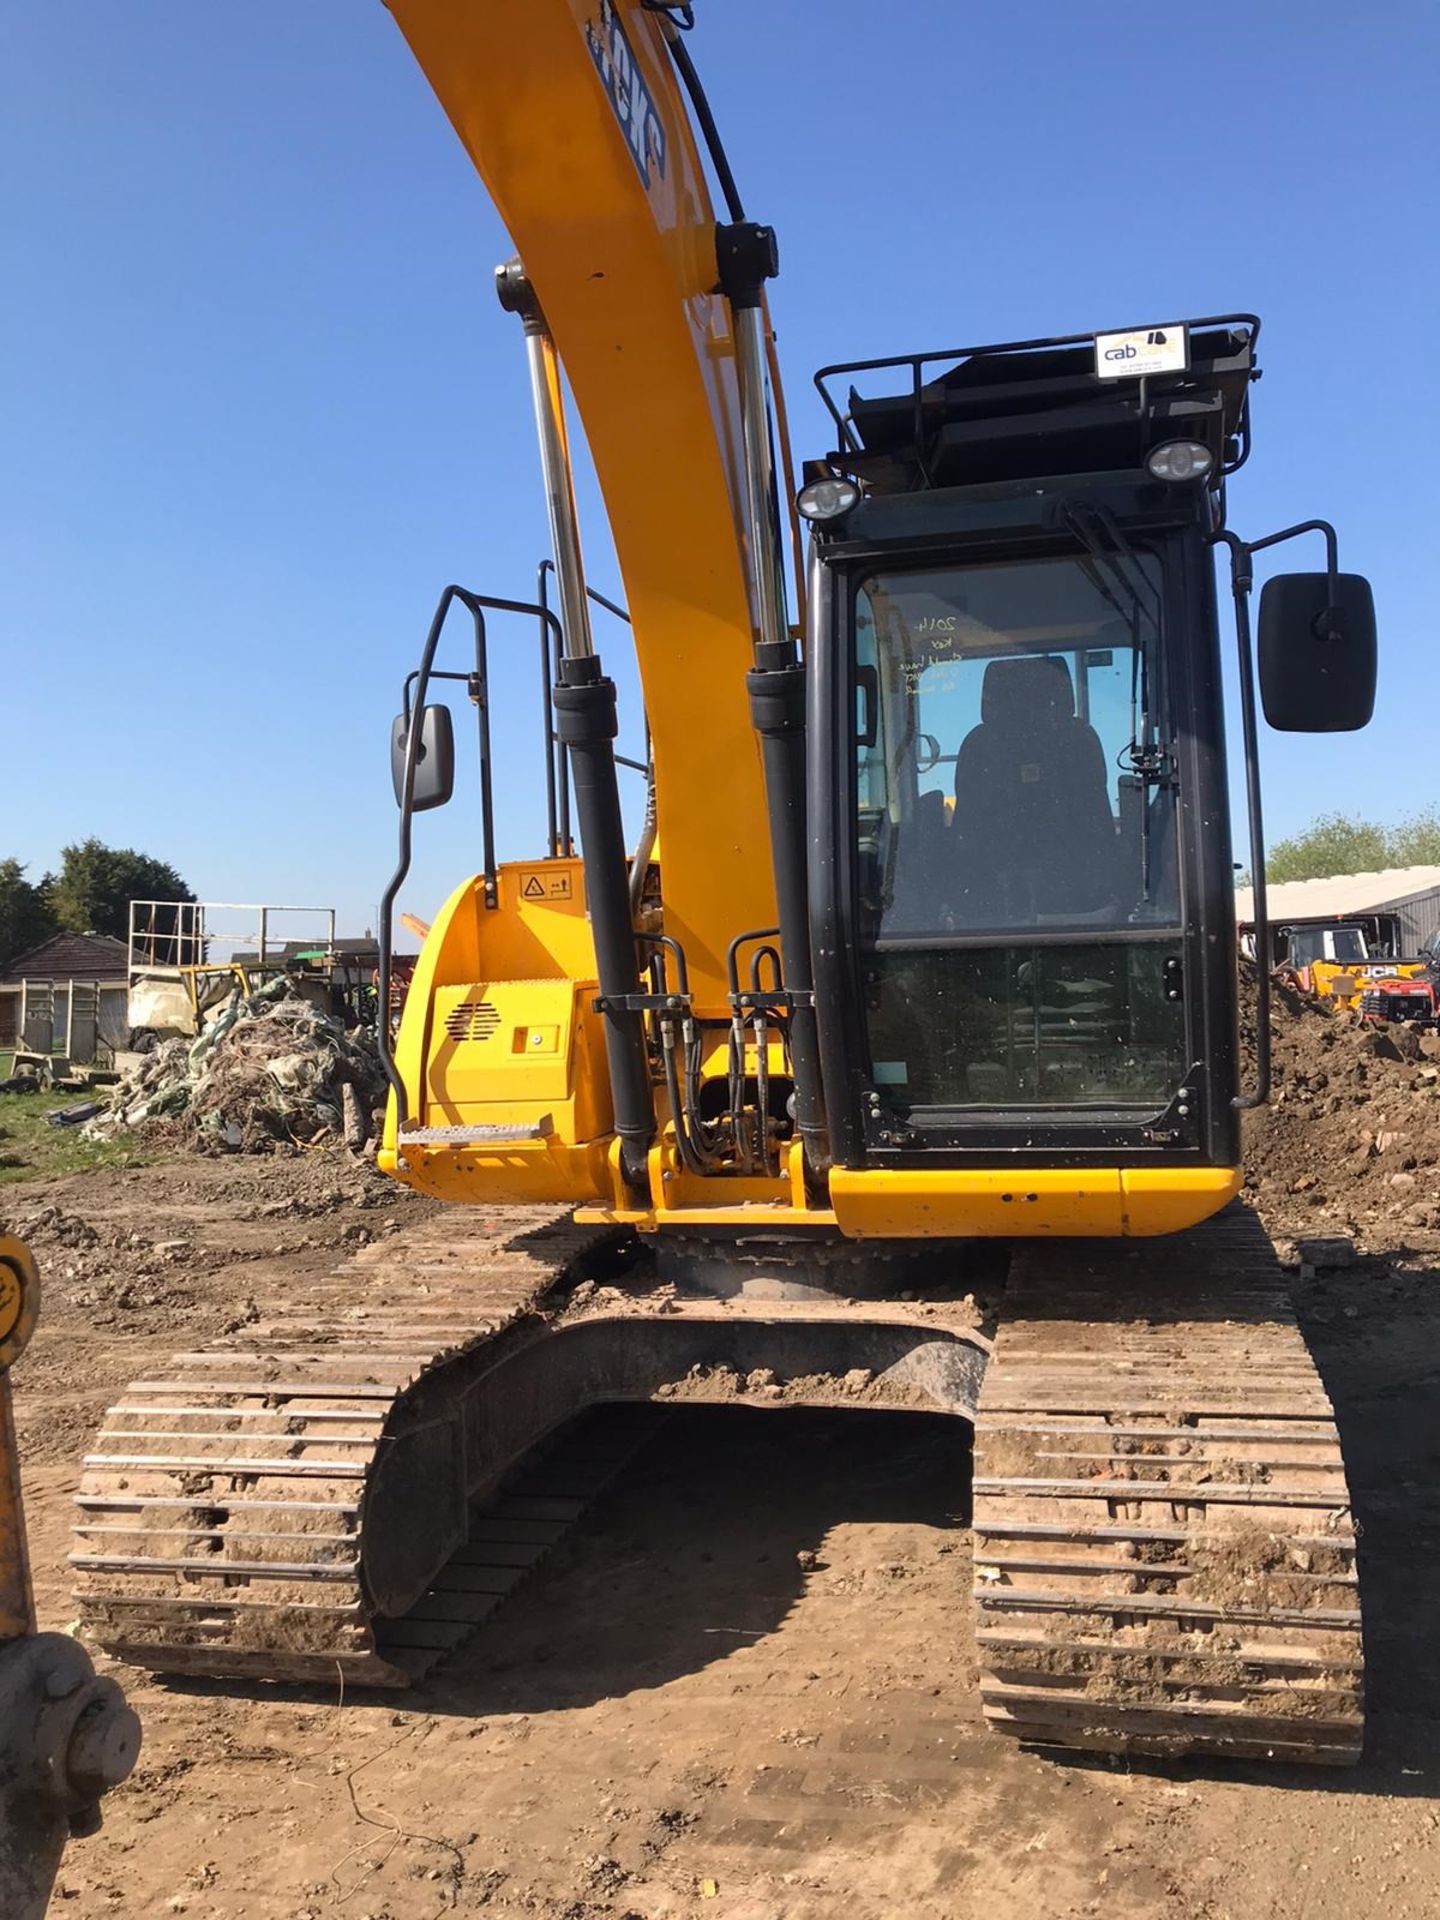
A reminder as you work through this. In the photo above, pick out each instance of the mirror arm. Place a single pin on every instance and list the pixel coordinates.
(1332, 566)
(477, 687)
(1242, 579)
(438, 674)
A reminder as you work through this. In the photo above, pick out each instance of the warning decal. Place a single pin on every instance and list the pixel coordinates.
(540, 885)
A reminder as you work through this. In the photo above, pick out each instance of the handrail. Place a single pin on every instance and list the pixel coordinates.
(916, 362)
(414, 703)
(1242, 578)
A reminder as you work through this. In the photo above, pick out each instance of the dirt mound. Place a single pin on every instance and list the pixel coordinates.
(1352, 1133)
(137, 1248)
(269, 1070)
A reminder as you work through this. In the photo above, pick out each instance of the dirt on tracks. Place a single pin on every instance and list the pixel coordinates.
(747, 1688)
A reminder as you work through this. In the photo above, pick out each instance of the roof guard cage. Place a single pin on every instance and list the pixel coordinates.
(1029, 408)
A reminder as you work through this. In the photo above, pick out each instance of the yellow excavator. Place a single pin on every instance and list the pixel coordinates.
(923, 964)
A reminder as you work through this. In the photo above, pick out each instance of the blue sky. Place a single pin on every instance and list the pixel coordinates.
(260, 404)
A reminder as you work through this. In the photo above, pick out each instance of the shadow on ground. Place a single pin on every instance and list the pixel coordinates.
(1374, 1330)
(705, 1543)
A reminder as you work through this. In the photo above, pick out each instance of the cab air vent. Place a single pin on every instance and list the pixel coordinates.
(472, 1020)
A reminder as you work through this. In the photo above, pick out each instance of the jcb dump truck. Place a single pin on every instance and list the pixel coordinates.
(929, 942)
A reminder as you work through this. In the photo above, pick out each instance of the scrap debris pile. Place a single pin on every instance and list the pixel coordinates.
(1353, 1128)
(268, 1069)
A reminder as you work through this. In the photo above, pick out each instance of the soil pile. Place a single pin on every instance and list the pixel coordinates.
(1352, 1133)
(269, 1070)
(103, 1253)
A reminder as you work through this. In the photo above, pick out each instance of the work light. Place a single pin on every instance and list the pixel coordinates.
(827, 499)
(1179, 460)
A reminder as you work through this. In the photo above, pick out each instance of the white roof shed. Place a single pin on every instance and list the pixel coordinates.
(1411, 894)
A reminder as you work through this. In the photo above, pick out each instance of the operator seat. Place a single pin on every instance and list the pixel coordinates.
(1033, 832)
(919, 867)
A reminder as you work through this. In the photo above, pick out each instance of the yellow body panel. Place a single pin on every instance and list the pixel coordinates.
(1018, 1203)
(623, 262)
(500, 1031)
(501, 1044)
(757, 1216)
(546, 1172)
(539, 930)
(674, 1191)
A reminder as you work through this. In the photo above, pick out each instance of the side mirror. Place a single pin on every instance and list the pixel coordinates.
(434, 759)
(1317, 652)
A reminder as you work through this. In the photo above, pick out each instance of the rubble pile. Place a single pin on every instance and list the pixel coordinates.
(1352, 1132)
(268, 1069)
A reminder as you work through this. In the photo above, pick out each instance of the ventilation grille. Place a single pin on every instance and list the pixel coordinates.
(472, 1020)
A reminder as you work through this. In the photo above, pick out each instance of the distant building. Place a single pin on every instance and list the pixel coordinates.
(66, 997)
(1398, 909)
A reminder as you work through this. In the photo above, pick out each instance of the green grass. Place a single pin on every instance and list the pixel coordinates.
(31, 1149)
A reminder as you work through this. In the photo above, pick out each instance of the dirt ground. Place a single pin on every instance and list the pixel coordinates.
(747, 1687)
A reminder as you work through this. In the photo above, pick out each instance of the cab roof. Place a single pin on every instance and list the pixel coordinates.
(1036, 408)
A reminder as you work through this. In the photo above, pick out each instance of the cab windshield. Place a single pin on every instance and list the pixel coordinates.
(1344, 945)
(1016, 821)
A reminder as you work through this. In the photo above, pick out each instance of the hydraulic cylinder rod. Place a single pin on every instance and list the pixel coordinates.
(586, 722)
(517, 296)
(748, 257)
(586, 725)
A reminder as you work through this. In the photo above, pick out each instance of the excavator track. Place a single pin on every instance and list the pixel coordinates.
(224, 1515)
(351, 1482)
(1165, 1557)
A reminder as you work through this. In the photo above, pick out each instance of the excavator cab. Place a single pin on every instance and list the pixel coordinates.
(1024, 885)
(1340, 946)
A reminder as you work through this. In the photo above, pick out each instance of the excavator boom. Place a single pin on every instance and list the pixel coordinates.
(574, 118)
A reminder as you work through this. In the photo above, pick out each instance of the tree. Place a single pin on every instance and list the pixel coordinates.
(1331, 844)
(1336, 844)
(95, 885)
(25, 916)
(1416, 842)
